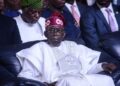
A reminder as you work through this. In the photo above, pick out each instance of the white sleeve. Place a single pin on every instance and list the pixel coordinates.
(96, 69)
(88, 58)
(41, 23)
(31, 62)
(29, 71)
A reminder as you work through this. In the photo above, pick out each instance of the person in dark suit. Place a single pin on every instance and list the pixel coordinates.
(73, 31)
(97, 22)
(9, 34)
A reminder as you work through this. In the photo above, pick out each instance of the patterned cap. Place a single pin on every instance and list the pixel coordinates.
(55, 20)
(36, 4)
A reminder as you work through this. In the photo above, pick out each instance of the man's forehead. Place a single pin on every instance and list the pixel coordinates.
(33, 9)
(54, 28)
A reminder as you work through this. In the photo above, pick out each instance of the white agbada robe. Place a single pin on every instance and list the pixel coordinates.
(69, 64)
(31, 32)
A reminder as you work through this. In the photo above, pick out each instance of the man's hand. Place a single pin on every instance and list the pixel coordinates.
(109, 67)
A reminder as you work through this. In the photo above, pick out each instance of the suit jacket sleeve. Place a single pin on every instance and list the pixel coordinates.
(15, 33)
(89, 31)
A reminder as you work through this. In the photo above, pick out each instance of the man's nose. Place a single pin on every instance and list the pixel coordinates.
(37, 15)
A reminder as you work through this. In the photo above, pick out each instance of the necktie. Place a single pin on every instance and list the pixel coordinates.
(111, 20)
(75, 14)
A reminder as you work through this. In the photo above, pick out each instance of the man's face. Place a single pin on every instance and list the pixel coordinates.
(104, 3)
(55, 35)
(14, 4)
(1, 5)
(31, 15)
(58, 3)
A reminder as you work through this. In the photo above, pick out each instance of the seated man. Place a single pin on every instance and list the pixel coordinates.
(101, 19)
(61, 62)
(31, 25)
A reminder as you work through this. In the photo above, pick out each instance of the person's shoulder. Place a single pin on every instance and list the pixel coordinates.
(80, 4)
(46, 12)
(6, 18)
(92, 10)
(73, 44)
(69, 43)
(41, 19)
(41, 43)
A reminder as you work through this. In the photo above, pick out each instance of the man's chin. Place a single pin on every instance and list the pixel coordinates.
(56, 43)
(33, 22)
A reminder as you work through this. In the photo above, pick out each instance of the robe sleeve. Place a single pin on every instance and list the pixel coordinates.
(89, 59)
(31, 61)
(96, 69)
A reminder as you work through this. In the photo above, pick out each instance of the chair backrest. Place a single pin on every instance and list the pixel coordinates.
(111, 44)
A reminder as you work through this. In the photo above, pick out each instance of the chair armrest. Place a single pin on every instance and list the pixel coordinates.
(10, 62)
(28, 82)
(111, 44)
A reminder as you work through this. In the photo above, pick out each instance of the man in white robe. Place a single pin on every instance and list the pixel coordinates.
(31, 32)
(63, 63)
(31, 25)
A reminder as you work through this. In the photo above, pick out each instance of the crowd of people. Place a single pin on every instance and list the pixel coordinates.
(69, 32)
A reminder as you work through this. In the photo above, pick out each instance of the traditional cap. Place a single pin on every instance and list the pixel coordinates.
(32, 3)
(55, 20)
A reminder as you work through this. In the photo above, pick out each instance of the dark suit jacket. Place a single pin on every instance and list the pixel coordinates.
(95, 26)
(73, 33)
(9, 34)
